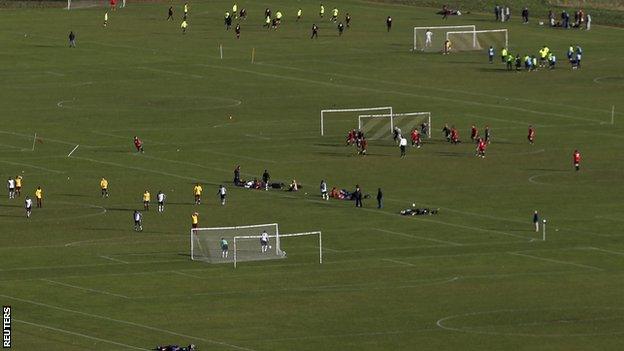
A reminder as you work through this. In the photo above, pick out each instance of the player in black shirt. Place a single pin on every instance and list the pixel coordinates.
(314, 31)
(340, 28)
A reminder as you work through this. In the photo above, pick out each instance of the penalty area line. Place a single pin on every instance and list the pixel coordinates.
(71, 152)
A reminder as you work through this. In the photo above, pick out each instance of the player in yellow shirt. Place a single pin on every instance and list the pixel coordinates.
(322, 11)
(105, 18)
(104, 187)
(39, 197)
(197, 191)
(146, 200)
(183, 26)
(195, 220)
(18, 185)
(185, 9)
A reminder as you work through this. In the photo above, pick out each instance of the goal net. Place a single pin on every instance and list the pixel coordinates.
(438, 36)
(381, 126)
(206, 242)
(342, 119)
(249, 247)
(478, 39)
(82, 4)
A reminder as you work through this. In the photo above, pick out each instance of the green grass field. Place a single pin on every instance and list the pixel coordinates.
(474, 277)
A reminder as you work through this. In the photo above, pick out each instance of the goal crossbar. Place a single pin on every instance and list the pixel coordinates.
(475, 32)
(416, 29)
(392, 116)
(323, 112)
(194, 233)
(277, 237)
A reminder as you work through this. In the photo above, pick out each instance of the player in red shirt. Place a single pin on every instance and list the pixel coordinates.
(576, 158)
(455, 136)
(474, 133)
(138, 144)
(113, 4)
(416, 138)
(481, 145)
(351, 137)
(363, 146)
(531, 135)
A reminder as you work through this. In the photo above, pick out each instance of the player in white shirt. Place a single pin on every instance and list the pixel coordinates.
(402, 145)
(11, 187)
(138, 221)
(428, 38)
(323, 187)
(160, 197)
(28, 206)
(264, 241)
(222, 192)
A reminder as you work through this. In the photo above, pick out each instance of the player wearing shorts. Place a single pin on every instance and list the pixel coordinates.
(18, 185)
(323, 188)
(39, 197)
(224, 248)
(388, 23)
(481, 145)
(415, 135)
(138, 221)
(314, 31)
(222, 193)
(146, 200)
(264, 242)
(428, 38)
(194, 220)
(160, 197)
(197, 191)
(104, 187)
(576, 159)
(138, 143)
(11, 187)
(531, 135)
(237, 30)
(28, 206)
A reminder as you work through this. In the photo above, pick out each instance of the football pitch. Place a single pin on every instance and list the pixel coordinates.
(475, 276)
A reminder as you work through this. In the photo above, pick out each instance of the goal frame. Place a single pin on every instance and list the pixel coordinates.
(416, 29)
(475, 32)
(277, 238)
(392, 116)
(323, 112)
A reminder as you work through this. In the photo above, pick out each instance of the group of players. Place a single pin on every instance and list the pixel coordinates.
(14, 187)
(547, 59)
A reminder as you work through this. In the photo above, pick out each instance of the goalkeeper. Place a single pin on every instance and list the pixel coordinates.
(224, 248)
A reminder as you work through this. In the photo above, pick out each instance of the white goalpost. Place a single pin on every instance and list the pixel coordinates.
(244, 246)
(478, 39)
(387, 109)
(206, 242)
(81, 4)
(381, 126)
(438, 36)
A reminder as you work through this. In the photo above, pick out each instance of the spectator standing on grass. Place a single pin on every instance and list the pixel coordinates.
(525, 15)
(265, 179)
(507, 13)
(379, 198)
(536, 220)
(357, 196)
(497, 12)
(72, 39)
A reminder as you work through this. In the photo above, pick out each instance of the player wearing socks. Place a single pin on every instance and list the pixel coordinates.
(18, 185)
(194, 220)
(348, 20)
(340, 29)
(322, 11)
(28, 206)
(170, 14)
(334, 15)
(146, 200)
(138, 144)
(11, 187)
(388, 23)
(415, 135)
(39, 197)
(224, 248)
(531, 135)
(184, 25)
(299, 13)
(481, 145)
(454, 136)
(264, 242)
(105, 18)
(237, 30)
(222, 192)
(314, 32)
(160, 197)
(323, 188)
(104, 187)
(138, 221)
(266, 177)
(428, 38)
(491, 54)
(576, 159)
(474, 133)
(197, 191)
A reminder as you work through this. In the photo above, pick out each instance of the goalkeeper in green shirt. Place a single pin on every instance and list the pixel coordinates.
(224, 248)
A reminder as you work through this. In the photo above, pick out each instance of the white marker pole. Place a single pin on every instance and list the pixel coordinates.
(613, 115)
(221, 51)
(71, 152)
(543, 230)
(34, 141)
(253, 55)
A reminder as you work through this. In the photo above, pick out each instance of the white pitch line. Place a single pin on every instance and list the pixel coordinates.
(556, 261)
(119, 321)
(398, 262)
(55, 73)
(171, 72)
(606, 251)
(80, 335)
(418, 237)
(113, 259)
(187, 275)
(32, 166)
(84, 289)
(71, 152)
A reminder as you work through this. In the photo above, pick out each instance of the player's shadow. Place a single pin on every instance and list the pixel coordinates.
(123, 209)
(547, 170)
(495, 69)
(74, 195)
